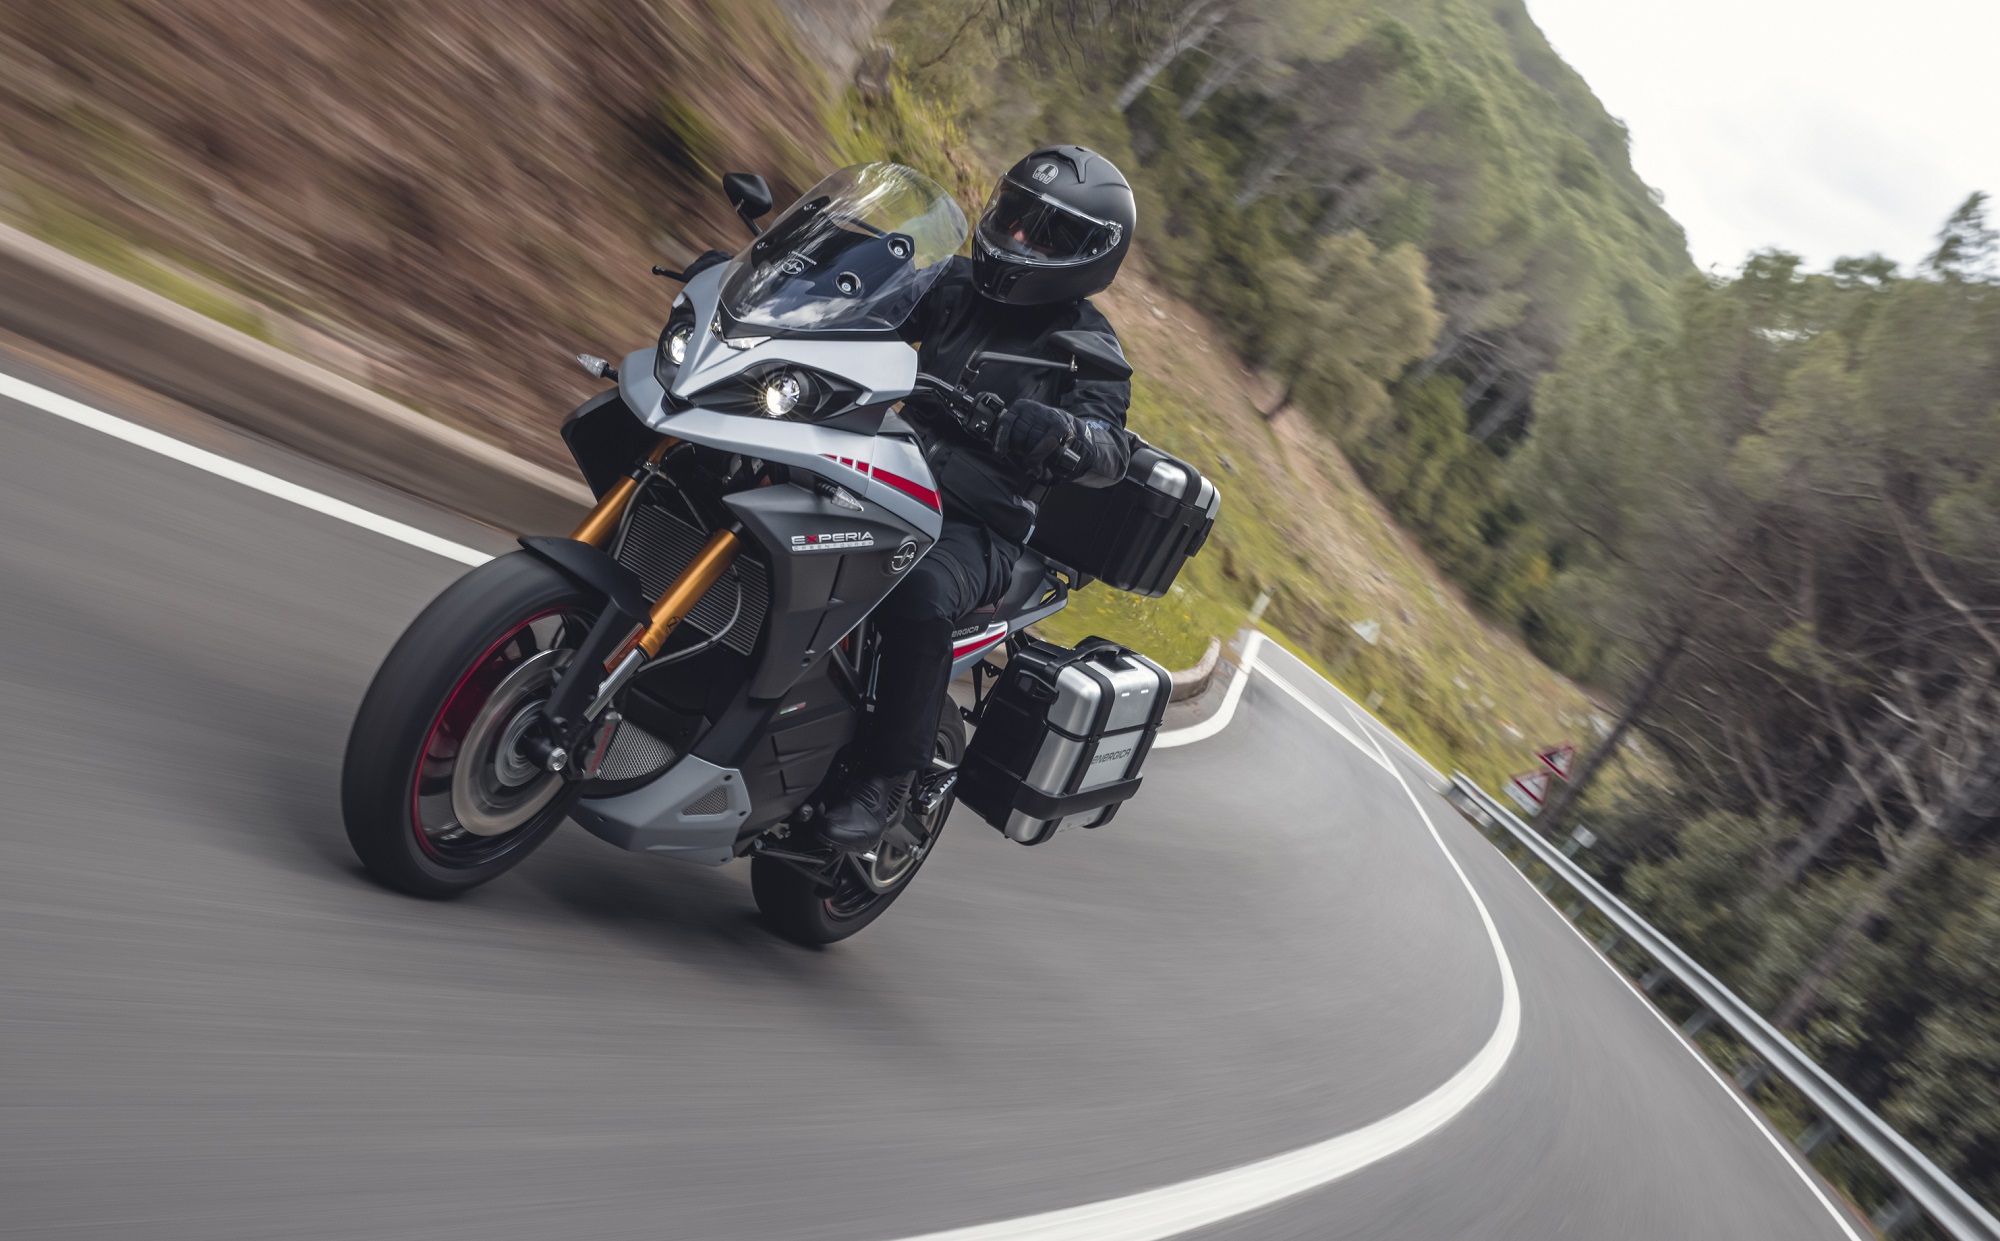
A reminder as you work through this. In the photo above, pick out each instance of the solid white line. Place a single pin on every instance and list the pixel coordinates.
(236, 472)
(1227, 711)
(1139, 1217)
(1369, 749)
(1175, 1209)
(1368, 720)
(1783, 1148)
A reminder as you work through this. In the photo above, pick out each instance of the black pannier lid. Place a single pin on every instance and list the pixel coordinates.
(1135, 534)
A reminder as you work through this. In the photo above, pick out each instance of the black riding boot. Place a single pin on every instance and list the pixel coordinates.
(872, 804)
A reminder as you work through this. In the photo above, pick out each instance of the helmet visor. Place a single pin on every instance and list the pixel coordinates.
(1024, 225)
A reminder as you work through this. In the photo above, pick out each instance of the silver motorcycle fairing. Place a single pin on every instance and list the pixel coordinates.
(691, 811)
(887, 469)
(821, 589)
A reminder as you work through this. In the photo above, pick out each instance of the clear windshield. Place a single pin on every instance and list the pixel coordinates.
(855, 254)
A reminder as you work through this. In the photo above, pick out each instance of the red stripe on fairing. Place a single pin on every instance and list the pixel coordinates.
(960, 652)
(916, 491)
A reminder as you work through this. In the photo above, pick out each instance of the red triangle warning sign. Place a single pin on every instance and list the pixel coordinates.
(1560, 759)
(1529, 790)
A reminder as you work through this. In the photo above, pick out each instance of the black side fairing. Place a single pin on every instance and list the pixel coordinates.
(606, 438)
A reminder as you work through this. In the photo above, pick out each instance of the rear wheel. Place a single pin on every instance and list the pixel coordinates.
(435, 791)
(798, 907)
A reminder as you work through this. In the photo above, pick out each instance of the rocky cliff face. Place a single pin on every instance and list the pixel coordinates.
(836, 32)
(462, 193)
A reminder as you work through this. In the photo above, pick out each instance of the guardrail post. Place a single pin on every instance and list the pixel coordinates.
(1927, 1192)
(1609, 943)
(1896, 1214)
(1817, 1134)
(1751, 1074)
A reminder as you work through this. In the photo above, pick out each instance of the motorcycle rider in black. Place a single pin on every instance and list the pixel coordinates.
(1053, 233)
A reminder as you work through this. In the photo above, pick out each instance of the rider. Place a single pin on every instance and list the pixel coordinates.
(1053, 233)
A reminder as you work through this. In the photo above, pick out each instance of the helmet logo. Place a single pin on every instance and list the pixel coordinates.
(1045, 174)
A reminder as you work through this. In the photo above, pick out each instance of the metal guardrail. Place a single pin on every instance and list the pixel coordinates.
(1926, 1185)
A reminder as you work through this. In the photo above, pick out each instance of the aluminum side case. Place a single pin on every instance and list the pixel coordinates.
(1063, 738)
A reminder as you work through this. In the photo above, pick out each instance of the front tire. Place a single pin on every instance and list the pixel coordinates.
(798, 909)
(435, 794)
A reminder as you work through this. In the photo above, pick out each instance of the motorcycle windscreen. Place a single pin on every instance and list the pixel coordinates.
(856, 254)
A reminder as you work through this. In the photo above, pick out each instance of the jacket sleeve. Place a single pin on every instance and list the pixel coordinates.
(1099, 407)
(945, 287)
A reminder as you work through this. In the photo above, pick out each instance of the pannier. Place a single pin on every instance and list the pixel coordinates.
(1062, 737)
(1135, 534)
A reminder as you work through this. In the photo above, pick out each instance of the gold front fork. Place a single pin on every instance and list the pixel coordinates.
(708, 566)
(601, 522)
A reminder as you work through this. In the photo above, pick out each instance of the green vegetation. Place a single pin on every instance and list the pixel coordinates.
(71, 231)
(1764, 507)
(1391, 207)
(1784, 507)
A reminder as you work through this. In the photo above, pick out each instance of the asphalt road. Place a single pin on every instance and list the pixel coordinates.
(213, 1026)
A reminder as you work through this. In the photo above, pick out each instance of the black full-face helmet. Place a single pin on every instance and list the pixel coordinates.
(1056, 229)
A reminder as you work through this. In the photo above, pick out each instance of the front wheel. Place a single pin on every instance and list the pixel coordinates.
(805, 912)
(436, 793)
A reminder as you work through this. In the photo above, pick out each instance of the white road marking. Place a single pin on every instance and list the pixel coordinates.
(1377, 731)
(1369, 750)
(222, 467)
(1175, 1209)
(1155, 1214)
(1783, 1148)
(1214, 724)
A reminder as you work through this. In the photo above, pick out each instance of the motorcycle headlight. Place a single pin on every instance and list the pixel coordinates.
(779, 390)
(781, 393)
(677, 342)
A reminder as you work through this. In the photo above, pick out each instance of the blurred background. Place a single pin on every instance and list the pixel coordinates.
(1512, 468)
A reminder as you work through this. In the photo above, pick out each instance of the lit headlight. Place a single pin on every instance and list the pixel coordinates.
(677, 343)
(781, 394)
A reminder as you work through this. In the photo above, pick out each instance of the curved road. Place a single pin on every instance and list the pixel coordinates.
(212, 1026)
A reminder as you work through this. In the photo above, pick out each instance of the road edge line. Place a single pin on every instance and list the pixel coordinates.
(1202, 730)
(76, 412)
(1157, 1214)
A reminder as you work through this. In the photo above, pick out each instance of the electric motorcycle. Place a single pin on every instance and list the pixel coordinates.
(685, 673)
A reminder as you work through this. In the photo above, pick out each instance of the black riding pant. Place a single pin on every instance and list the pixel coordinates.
(965, 570)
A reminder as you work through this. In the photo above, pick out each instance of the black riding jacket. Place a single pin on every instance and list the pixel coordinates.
(953, 322)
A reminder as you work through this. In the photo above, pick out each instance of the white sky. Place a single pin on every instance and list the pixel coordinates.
(1824, 127)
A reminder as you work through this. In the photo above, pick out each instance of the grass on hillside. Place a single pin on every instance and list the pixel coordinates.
(1297, 520)
(69, 230)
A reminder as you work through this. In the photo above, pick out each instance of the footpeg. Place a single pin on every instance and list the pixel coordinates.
(934, 787)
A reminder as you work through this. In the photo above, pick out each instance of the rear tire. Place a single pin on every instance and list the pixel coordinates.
(435, 798)
(796, 909)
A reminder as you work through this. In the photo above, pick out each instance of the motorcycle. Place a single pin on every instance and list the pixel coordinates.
(685, 673)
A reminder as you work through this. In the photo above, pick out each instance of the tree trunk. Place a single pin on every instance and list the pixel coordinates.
(1827, 965)
(1833, 818)
(1496, 419)
(1191, 29)
(1641, 701)
(1284, 399)
(1220, 74)
(1260, 181)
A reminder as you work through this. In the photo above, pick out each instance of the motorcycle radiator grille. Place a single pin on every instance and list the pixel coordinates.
(658, 546)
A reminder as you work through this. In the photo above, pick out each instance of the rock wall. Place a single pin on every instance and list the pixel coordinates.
(836, 32)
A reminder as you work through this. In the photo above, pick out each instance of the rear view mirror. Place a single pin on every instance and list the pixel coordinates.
(750, 196)
(1097, 357)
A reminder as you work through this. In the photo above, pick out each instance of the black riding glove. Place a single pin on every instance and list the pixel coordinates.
(1032, 433)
